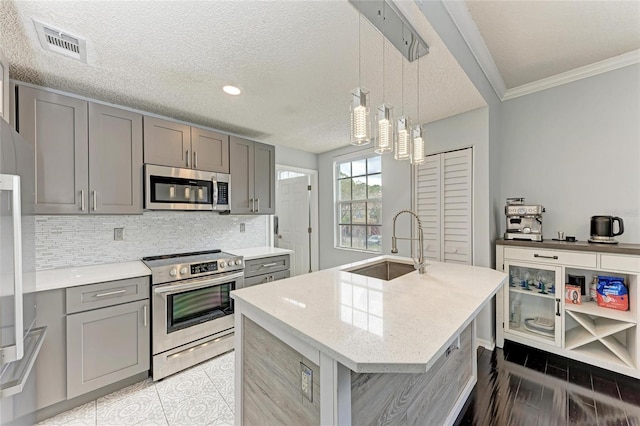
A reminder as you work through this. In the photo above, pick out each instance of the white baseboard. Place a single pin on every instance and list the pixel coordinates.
(489, 345)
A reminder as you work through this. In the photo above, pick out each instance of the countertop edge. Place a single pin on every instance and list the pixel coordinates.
(621, 248)
(62, 278)
(259, 252)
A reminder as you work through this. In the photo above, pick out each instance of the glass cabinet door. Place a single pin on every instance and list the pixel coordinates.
(532, 302)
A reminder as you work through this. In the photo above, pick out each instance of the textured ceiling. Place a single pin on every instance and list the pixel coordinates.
(532, 40)
(295, 61)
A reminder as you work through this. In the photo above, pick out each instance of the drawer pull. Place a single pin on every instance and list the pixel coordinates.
(266, 265)
(545, 257)
(111, 293)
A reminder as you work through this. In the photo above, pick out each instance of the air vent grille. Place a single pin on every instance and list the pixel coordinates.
(62, 42)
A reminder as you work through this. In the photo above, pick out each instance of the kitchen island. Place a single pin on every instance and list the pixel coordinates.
(337, 348)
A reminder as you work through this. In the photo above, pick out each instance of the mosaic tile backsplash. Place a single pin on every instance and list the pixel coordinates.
(65, 241)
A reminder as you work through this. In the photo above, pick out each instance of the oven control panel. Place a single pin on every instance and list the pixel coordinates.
(199, 268)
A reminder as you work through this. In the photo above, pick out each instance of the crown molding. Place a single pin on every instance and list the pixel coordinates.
(590, 70)
(471, 35)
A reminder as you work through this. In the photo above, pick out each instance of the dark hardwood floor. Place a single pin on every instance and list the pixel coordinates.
(519, 385)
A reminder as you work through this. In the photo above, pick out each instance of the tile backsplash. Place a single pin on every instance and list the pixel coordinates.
(64, 241)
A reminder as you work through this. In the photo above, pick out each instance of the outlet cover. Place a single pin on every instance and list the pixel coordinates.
(118, 234)
(306, 382)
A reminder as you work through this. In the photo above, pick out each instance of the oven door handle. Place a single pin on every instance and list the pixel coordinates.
(196, 284)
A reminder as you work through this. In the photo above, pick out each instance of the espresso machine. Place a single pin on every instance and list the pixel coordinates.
(524, 221)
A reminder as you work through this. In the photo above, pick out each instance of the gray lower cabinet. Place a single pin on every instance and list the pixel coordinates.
(266, 269)
(88, 156)
(168, 143)
(106, 345)
(253, 172)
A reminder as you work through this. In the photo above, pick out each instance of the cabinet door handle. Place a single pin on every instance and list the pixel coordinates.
(144, 315)
(258, 209)
(253, 205)
(111, 293)
(187, 158)
(95, 200)
(545, 257)
(195, 160)
(271, 278)
(82, 206)
(558, 307)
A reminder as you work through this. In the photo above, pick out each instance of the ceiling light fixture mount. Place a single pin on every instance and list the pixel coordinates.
(231, 90)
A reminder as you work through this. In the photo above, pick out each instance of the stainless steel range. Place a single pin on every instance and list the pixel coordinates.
(192, 311)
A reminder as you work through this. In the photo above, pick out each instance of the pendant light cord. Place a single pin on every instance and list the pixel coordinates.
(359, 51)
(419, 92)
(384, 3)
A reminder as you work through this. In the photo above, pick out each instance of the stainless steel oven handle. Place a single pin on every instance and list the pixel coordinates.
(196, 284)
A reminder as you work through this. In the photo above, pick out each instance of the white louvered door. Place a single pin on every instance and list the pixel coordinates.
(444, 204)
(428, 201)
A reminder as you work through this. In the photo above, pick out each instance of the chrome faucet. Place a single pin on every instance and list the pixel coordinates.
(418, 263)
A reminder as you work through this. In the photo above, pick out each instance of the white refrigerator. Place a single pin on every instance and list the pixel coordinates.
(20, 340)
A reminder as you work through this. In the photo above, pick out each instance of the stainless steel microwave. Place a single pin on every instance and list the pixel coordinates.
(172, 188)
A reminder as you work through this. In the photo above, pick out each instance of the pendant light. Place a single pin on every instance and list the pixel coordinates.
(403, 135)
(417, 144)
(360, 122)
(384, 141)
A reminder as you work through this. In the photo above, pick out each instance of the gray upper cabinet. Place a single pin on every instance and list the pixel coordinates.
(252, 166)
(56, 125)
(168, 143)
(115, 160)
(88, 156)
(4, 87)
(210, 150)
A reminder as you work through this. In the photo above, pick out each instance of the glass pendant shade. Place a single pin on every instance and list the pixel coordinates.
(384, 142)
(360, 122)
(403, 139)
(417, 147)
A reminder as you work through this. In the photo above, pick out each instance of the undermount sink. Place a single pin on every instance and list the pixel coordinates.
(386, 270)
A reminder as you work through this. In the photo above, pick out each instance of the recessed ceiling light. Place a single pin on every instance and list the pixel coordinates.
(232, 90)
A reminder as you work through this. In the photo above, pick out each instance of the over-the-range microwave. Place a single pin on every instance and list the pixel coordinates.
(173, 188)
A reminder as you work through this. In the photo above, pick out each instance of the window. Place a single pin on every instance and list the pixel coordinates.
(359, 203)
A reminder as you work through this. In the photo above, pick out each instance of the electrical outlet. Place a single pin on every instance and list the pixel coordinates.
(118, 234)
(242, 227)
(306, 382)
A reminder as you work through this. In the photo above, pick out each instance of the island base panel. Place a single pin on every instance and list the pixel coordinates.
(413, 399)
(271, 392)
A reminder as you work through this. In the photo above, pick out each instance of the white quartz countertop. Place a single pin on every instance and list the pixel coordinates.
(375, 326)
(258, 252)
(70, 277)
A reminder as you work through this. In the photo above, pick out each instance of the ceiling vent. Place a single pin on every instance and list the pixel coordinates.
(61, 42)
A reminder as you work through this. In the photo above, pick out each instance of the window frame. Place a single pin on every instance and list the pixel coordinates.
(337, 202)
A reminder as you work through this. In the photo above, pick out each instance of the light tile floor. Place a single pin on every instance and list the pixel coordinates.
(201, 395)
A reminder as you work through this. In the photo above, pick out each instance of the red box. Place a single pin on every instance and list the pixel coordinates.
(572, 294)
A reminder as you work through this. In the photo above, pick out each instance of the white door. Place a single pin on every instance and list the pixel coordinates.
(292, 210)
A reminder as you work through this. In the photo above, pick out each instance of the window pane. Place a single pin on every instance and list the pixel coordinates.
(345, 213)
(359, 214)
(345, 236)
(374, 165)
(360, 188)
(374, 238)
(375, 186)
(359, 237)
(344, 170)
(345, 189)
(359, 167)
(374, 212)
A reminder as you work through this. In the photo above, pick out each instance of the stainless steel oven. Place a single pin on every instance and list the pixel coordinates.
(172, 188)
(192, 310)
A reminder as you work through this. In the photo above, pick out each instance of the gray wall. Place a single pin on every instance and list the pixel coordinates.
(65, 241)
(396, 195)
(296, 158)
(575, 149)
